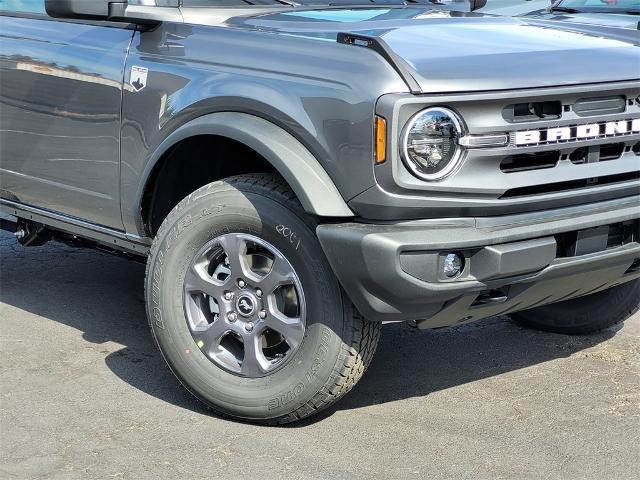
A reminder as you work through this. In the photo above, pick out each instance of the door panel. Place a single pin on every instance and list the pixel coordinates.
(60, 98)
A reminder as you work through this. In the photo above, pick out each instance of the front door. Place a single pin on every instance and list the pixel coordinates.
(60, 98)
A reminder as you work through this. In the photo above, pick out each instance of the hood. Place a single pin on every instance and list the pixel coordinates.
(464, 52)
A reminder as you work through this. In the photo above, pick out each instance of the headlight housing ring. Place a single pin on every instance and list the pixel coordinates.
(430, 143)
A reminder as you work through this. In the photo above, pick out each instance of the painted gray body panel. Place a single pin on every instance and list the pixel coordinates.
(60, 98)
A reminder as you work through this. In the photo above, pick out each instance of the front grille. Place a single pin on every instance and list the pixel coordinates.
(566, 146)
(568, 139)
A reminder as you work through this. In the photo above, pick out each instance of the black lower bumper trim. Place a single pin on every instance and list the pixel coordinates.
(392, 272)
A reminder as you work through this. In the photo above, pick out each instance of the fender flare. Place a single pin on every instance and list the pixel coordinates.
(302, 171)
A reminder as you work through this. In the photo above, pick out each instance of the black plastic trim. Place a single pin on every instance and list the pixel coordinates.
(391, 272)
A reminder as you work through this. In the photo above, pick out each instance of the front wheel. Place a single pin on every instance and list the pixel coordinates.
(245, 308)
(587, 314)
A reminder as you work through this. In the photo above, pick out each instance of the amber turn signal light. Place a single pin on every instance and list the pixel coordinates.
(380, 129)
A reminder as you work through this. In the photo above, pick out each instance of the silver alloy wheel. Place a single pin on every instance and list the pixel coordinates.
(244, 305)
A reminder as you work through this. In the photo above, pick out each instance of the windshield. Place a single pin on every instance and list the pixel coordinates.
(447, 4)
(226, 3)
(599, 6)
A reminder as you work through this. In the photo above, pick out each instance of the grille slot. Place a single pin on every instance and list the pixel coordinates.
(597, 153)
(579, 155)
(532, 111)
(530, 161)
(587, 107)
(611, 152)
(570, 185)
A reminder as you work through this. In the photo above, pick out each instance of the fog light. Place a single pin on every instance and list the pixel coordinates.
(453, 265)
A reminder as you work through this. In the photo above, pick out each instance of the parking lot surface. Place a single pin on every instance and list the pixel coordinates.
(85, 394)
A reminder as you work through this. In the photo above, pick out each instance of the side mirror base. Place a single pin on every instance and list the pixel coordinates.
(110, 10)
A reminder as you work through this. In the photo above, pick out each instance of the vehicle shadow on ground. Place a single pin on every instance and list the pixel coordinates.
(102, 296)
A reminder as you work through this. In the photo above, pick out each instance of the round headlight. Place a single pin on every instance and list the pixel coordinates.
(430, 143)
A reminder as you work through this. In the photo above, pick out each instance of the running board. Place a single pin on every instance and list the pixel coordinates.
(114, 239)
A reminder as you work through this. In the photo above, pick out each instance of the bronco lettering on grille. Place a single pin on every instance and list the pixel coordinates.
(574, 133)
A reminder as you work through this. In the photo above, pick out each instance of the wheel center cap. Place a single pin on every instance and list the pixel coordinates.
(245, 305)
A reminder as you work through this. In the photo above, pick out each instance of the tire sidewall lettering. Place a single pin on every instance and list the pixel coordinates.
(319, 359)
(289, 234)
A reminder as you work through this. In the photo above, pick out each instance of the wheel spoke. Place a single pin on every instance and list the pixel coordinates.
(211, 336)
(280, 274)
(254, 362)
(235, 247)
(197, 280)
(291, 328)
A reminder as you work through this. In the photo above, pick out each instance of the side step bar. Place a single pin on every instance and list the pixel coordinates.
(114, 239)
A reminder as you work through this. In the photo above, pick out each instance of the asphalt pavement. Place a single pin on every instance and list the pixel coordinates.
(84, 394)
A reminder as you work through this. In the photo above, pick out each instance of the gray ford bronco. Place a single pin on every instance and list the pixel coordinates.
(297, 173)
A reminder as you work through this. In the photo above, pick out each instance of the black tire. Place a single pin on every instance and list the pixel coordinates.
(584, 315)
(338, 344)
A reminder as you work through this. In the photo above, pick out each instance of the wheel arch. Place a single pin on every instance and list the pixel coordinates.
(288, 156)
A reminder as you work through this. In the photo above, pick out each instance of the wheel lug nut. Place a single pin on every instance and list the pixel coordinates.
(242, 283)
(233, 316)
(249, 326)
(262, 314)
(258, 293)
(228, 295)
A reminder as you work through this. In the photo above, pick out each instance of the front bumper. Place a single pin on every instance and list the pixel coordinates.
(392, 272)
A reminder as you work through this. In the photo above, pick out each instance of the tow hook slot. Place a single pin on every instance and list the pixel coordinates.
(491, 297)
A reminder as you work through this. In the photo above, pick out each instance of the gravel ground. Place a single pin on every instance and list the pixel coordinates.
(84, 394)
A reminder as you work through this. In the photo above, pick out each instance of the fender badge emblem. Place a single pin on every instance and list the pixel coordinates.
(138, 77)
